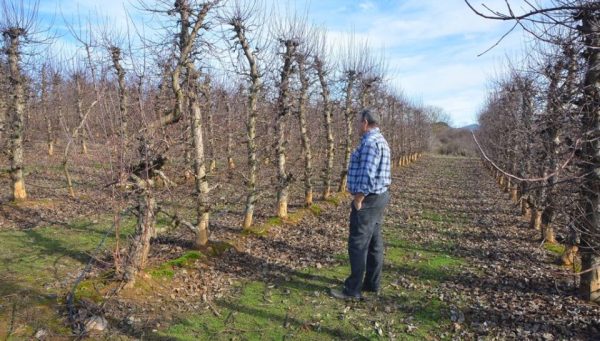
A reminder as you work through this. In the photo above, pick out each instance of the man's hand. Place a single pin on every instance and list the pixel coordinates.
(358, 199)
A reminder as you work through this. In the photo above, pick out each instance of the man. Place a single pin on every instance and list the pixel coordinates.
(368, 181)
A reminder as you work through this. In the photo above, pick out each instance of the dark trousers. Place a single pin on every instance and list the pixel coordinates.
(365, 245)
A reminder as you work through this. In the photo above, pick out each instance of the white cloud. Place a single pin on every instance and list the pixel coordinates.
(367, 5)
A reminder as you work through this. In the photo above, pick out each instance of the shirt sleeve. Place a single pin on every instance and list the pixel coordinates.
(370, 157)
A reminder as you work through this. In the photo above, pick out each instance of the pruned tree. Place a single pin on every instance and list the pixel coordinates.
(323, 68)
(17, 25)
(351, 64)
(301, 57)
(240, 20)
(288, 33)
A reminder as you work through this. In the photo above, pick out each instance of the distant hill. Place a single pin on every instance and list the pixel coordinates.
(453, 141)
(471, 127)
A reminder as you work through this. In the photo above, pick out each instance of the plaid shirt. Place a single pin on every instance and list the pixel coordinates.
(369, 170)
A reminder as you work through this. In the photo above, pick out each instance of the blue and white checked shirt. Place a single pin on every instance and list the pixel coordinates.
(369, 170)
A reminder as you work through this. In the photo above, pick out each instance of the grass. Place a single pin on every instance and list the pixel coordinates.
(168, 268)
(555, 248)
(298, 306)
(38, 264)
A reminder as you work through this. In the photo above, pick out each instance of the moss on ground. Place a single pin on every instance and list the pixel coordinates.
(555, 248)
(168, 268)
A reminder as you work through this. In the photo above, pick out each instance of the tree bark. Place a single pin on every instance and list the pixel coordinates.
(536, 219)
(80, 114)
(210, 126)
(44, 104)
(590, 189)
(16, 110)
(240, 32)
(139, 248)
(123, 100)
(283, 107)
(349, 118)
(229, 151)
(305, 139)
(200, 181)
(327, 173)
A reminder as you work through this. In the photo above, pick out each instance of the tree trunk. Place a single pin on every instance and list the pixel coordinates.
(210, 126)
(230, 162)
(349, 118)
(252, 160)
(536, 219)
(568, 257)
(590, 189)
(200, 181)
(137, 255)
(79, 101)
(283, 107)
(44, 104)
(305, 139)
(547, 228)
(16, 110)
(514, 194)
(123, 99)
(239, 30)
(525, 210)
(328, 128)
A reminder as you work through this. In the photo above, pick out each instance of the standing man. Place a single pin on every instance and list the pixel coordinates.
(368, 181)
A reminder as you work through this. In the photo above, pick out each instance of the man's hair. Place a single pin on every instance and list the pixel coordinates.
(371, 117)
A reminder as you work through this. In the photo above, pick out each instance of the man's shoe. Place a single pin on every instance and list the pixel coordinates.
(339, 294)
(372, 292)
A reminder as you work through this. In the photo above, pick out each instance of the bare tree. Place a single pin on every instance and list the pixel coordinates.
(44, 104)
(351, 64)
(323, 69)
(240, 20)
(303, 52)
(17, 27)
(288, 33)
(116, 57)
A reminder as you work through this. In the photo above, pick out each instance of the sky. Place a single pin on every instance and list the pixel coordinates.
(431, 47)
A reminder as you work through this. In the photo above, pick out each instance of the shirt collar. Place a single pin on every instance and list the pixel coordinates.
(370, 132)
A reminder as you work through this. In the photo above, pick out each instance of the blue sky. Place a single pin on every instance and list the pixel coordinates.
(431, 46)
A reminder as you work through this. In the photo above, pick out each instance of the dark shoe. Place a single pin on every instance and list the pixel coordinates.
(372, 294)
(339, 294)
(371, 291)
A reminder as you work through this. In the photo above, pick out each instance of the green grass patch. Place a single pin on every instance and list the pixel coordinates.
(433, 216)
(555, 248)
(168, 268)
(333, 200)
(273, 221)
(316, 209)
